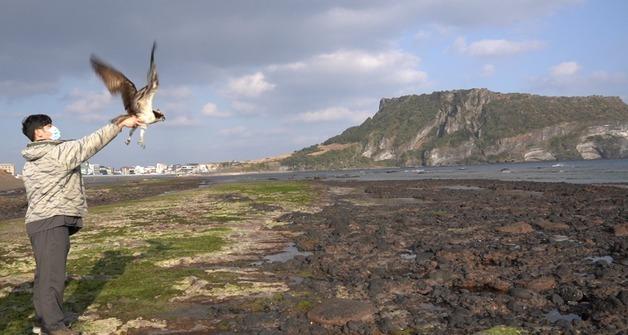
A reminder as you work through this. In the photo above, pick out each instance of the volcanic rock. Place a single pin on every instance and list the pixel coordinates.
(552, 226)
(338, 312)
(516, 228)
(541, 284)
(621, 229)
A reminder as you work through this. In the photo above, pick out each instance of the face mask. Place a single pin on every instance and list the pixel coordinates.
(56, 133)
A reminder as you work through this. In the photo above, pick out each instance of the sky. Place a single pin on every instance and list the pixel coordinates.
(250, 79)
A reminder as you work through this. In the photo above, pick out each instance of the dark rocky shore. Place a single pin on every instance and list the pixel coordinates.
(451, 257)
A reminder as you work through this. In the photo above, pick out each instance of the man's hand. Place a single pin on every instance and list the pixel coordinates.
(129, 122)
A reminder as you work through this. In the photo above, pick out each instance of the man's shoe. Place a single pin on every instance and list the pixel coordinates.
(38, 326)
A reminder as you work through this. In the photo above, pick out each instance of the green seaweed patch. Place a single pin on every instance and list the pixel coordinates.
(304, 305)
(127, 284)
(143, 289)
(293, 192)
(503, 330)
(170, 247)
(15, 311)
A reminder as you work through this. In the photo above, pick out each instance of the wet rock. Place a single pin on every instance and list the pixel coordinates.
(570, 293)
(340, 311)
(516, 228)
(557, 299)
(541, 284)
(376, 286)
(623, 297)
(621, 229)
(459, 318)
(552, 226)
(521, 293)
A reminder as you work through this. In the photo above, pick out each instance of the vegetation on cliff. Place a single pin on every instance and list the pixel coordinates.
(475, 126)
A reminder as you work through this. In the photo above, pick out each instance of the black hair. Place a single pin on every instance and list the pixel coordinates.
(32, 122)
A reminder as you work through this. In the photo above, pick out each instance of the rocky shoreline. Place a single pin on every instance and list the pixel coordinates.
(460, 257)
(341, 257)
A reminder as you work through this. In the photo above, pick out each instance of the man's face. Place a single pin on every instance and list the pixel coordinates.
(43, 133)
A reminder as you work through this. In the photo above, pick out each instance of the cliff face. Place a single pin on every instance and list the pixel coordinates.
(475, 126)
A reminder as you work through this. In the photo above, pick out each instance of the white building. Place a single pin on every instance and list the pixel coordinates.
(139, 169)
(161, 168)
(87, 169)
(8, 167)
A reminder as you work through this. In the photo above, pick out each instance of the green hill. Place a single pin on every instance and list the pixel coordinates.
(475, 126)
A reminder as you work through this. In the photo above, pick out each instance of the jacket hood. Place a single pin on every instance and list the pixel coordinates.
(37, 150)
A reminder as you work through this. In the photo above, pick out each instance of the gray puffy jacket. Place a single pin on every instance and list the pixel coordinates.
(52, 174)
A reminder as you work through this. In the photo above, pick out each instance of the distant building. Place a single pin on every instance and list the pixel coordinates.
(127, 170)
(87, 169)
(161, 168)
(212, 167)
(139, 169)
(8, 167)
(105, 171)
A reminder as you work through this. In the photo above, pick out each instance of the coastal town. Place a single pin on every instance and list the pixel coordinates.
(94, 169)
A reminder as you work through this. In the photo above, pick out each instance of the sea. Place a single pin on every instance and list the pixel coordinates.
(604, 171)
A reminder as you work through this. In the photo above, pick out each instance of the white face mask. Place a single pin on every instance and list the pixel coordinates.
(55, 133)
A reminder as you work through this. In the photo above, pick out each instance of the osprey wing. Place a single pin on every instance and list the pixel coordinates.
(116, 82)
(153, 79)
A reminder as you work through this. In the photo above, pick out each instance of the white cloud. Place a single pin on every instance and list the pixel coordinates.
(211, 109)
(234, 131)
(392, 66)
(333, 114)
(89, 105)
(249, 86)
(488, 70)
(498, 47)
(565, 69)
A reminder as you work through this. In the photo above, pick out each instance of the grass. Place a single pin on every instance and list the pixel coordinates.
(503, 330)
(115, 260)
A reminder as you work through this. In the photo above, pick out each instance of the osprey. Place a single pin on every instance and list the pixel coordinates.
(138, 103)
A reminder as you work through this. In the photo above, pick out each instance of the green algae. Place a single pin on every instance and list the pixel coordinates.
(15, 311)
(304, 306)
(113, 263)
(503, 330)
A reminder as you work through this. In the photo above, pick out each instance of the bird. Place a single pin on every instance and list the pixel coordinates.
(136, 103)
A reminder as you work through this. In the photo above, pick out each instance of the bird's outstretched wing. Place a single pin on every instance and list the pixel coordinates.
(153, 79)
(115, 81)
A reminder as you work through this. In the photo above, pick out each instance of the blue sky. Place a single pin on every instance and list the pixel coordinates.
(250, 79)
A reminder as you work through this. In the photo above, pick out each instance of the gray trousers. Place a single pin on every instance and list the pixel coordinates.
(51, 249)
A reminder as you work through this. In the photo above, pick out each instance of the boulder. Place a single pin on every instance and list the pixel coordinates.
(541, 284)
(552, 226)
(621, 229)
(516, 228)
(338, 312)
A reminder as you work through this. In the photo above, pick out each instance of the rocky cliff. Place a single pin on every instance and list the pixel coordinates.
(476, 126)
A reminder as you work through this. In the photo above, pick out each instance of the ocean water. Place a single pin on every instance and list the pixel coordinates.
(580, 172)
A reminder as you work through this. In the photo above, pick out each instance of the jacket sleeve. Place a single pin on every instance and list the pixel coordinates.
(72, 153)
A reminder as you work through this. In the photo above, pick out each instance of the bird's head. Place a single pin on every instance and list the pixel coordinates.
(159, 115)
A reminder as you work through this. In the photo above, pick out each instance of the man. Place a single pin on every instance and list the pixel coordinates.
(56, 205)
